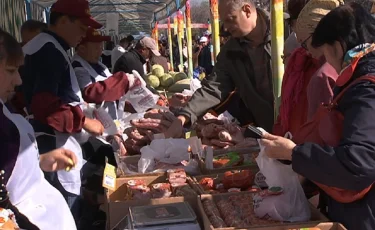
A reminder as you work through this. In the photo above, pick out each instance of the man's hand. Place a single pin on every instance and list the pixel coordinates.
(58, 159)
(93, 126)
(176, 129)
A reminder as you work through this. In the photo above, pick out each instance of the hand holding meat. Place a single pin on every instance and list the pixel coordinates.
(220, 135)
(176, 129)
(58, 159)
(178, 100)
(93, 126)
(278, 147)
(142, 131)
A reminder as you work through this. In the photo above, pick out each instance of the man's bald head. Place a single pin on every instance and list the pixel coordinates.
(239, 16)
(236, 4)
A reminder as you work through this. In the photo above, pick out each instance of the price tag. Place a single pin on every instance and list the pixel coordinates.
(190, 134)
(109, 177)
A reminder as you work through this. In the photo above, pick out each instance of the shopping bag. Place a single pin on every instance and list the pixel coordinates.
(291, 204)
(139, 96)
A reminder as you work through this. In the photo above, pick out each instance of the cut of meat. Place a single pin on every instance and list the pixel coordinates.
(177, 176)
(182, 190)
(238, 179)
(212, 130)
(161, 190)
(140, 192)
(207, 183)
(213, 214)
(222, 144)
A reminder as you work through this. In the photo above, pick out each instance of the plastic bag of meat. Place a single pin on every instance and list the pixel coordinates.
(139, 96)
(292, 204)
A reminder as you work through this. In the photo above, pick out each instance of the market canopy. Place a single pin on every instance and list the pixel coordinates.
(133, 16)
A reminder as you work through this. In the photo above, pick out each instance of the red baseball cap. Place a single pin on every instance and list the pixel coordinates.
(92, 35)
(76, 8)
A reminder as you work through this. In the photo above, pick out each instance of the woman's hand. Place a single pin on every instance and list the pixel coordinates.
(58, 159)
(277, 147)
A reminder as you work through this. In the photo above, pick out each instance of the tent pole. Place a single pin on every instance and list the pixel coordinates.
(170, 44)
(189, 39)
(277, 43)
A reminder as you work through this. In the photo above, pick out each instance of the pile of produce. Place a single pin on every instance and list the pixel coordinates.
(176, 186)
(231, 181)
(235, 211)
(218, 134)
(160, 80)
(142, 131)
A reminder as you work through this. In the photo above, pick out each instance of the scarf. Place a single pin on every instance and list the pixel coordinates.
(350, 62)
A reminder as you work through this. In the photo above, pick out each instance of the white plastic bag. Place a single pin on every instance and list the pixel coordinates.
(292, 204)
(109, 125)
(139, 96)
(170, 151)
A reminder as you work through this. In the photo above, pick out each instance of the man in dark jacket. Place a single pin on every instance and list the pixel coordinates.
(243, 65)
(137, 57)
(158, 60)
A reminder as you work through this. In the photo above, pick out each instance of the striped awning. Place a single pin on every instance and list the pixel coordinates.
(135, 15)
(12, 15)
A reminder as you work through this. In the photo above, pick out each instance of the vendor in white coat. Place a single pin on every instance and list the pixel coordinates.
(53, 97)
(97, 84)
(21, 166)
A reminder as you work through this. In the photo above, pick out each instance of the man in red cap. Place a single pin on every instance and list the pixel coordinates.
(52, 93)
(97, 84)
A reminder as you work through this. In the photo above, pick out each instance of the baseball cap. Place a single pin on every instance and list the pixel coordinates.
(203, 39)
(76, 8)
(151, 44)
(92, 35)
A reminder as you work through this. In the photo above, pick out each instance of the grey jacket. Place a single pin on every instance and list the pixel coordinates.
(233, 72)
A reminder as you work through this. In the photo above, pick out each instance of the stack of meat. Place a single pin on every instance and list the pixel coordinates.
(236, 211)
(142, 131)
(216, 133)
(177, 186)
(178, 178)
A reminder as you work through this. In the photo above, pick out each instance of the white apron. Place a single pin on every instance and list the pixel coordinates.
(28, 190)
(71, 181)
(109, 106)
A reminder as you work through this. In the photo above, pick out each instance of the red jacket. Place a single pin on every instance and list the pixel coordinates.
(294, 100)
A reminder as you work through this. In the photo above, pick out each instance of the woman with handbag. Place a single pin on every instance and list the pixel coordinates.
(336, 148)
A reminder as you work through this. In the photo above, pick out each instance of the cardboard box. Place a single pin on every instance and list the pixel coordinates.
(194, 183)
(245, 151)
(316, 216)
(117, 205)
(132, 163)
(311, 226)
